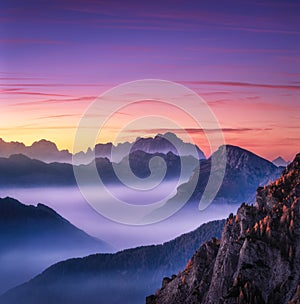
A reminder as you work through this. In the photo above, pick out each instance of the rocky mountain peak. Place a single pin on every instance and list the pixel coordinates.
(280, 162)
(238, 157)
(258, 259)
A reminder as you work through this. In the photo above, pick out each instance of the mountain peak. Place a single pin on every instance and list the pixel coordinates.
(19, 157)
(280, 162)
(258, 257)
(44, 144)
(238, 157)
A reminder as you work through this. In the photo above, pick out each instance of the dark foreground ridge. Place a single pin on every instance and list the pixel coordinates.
(258, 258)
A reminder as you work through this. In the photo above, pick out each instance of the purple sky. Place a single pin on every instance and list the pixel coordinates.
(242, 57)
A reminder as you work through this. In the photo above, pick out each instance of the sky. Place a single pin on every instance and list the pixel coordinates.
(241, 57)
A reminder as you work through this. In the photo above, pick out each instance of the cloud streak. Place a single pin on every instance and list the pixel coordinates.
(196, 131)
(243, 84)
(54, 101)
(17, 91)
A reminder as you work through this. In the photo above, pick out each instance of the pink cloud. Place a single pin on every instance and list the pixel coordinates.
(17, 91)
(243, 84)
(65, 100)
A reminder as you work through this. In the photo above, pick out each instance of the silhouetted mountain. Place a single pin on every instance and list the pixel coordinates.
(32, 238)
(257, 260)
(123, 277)
(43, 150)
(280, 162)
(139, 161)
(245, 171)
(19, 170)
(159, 144)
(163, 144)
(48, 152)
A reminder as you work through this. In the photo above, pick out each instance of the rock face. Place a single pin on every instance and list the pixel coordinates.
(257, 259)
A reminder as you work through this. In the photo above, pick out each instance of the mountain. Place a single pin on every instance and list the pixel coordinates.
(280, 162)
(164, 144)
(257, 259)
(161, 143)
(20, 170)
(34, 237)
(43, 150)
(244, 172)
(124, 277)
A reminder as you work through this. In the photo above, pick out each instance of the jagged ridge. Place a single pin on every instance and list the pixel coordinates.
(258, 258)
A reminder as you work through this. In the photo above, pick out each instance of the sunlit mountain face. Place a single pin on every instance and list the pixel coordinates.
(129, 131)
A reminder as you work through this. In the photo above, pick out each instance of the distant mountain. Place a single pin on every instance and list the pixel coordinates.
(48, 152)
(257, 259)
(34, 237)
(19, 170)
(245, 171)
(161, 143)
(123, 277)
(43, 150)
(280, 162)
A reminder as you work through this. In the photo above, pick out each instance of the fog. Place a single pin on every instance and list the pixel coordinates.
(22, 264)
(69, 203)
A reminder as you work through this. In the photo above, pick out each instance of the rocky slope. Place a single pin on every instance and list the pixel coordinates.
(258, 258)
(124, 277)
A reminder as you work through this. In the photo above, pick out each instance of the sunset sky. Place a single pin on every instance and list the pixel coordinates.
(241, 57)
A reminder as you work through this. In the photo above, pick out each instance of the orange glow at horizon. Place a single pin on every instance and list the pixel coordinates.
(257, 125)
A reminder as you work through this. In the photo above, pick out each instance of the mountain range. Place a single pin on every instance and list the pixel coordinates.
(244, 172)
(123, 277)
(257, 260)
(48, 152)
(34, 237)
(43, 150)
(20, 170)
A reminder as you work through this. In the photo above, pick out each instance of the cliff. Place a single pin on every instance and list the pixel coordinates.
(257, 259)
